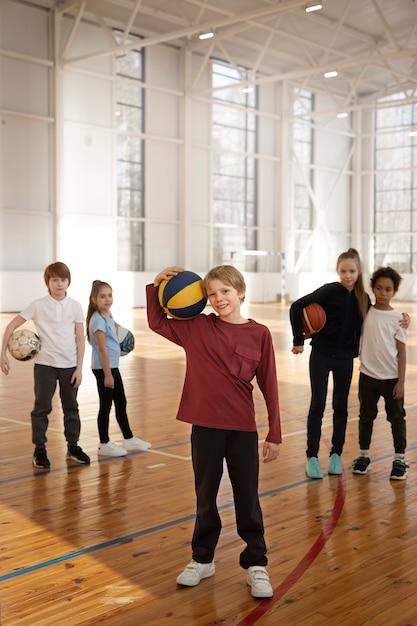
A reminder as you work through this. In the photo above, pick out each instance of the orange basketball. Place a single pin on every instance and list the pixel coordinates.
(314, 318)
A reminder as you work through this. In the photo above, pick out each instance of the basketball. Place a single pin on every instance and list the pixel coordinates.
(24, 344)
(314, 318)
(126, 340)
(182, 296)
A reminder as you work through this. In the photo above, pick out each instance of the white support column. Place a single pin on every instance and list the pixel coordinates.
(356, 212)
(184, 200)
(57, 133)
(283, 203)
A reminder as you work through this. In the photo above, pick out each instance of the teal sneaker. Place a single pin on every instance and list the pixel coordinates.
(313, 469)
(335, 464)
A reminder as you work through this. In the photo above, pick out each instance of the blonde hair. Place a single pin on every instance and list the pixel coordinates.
(360, 293)
(229, 275)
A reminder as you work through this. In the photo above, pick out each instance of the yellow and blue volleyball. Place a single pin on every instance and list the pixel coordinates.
(182, 296)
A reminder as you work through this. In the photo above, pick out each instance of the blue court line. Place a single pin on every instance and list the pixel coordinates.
(152, 529)
(127, 538)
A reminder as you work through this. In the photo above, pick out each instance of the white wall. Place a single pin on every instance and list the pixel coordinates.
(58, 179)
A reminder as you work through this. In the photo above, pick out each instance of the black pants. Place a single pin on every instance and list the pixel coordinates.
(210, 447)
(320, 367)
(370, 391)
(46, 379)
(107, 397)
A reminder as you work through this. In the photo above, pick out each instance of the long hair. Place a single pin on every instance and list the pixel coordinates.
(228, 275)
(360, 293)
(92, 306)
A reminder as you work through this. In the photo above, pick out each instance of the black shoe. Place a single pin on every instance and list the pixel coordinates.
(399, 470)
(361, 465)
(76, 454)
(40, 459)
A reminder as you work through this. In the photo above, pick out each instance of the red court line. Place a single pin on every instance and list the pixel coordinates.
(305, 562)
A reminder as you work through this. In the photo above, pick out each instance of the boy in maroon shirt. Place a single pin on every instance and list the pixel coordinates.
(224, 351)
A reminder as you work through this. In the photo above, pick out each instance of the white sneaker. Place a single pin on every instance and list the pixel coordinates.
(258, 579)
(194, 572)
(110, 449)
(134, 443)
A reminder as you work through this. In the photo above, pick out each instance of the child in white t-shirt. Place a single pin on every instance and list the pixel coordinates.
(382, 372)
(59, 322)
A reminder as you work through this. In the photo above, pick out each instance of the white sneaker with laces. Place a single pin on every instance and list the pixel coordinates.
(134, 443)
(110, 449)
(194, 572)
(258, 579)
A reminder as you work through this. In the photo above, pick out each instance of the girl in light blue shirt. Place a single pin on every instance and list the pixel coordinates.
(102, 335)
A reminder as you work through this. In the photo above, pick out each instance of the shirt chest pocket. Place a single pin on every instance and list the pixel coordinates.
(245, 362)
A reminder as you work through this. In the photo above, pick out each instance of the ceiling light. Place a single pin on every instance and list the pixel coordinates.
(413, 133)
(247, 89)
(315, 6)
(342, 115)
(331, 74)
(208, 35)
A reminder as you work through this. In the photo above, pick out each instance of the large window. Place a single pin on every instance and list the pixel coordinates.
(303, 211)
(395, 217)
(130, 175)
(234, 167)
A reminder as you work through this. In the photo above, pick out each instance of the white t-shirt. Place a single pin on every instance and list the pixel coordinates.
(378, 349)
(55, 323)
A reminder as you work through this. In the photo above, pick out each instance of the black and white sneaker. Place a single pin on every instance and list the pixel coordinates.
(40, 459)
(361, 465)
(399, 470)
(75, 453)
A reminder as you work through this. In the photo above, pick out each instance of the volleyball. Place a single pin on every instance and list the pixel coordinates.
(182, 296)
(24, 344)
(314, 318)
(126, 340)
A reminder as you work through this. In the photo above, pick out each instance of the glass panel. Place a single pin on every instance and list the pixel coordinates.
(130, 178)
(129, 118)
(234, 129)
(228, 244)
(303, 174)
(130, 235)
(395, 185)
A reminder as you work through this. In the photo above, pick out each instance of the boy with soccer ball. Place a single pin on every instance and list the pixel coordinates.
(59, 321)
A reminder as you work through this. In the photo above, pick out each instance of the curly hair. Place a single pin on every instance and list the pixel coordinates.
(386, 272)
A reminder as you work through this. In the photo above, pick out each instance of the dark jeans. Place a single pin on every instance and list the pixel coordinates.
(107, 397)
(45, 378)
(320, 367)
(370, 391)
(210, 446)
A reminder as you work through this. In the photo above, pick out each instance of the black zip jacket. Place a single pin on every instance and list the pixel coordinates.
(340, 335)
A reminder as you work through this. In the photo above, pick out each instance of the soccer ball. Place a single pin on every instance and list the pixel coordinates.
(24, 344)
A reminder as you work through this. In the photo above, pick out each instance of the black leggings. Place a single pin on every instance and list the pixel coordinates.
(320, 367)
(107, 397)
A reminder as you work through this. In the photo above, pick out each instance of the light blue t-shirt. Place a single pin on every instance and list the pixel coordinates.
(105, 324)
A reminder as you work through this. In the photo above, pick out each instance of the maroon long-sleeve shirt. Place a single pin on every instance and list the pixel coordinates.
(222, 360)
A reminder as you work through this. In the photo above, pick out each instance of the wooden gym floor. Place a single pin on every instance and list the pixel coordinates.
(82, 545)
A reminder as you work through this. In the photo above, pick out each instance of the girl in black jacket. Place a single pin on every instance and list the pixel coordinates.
(333, 349)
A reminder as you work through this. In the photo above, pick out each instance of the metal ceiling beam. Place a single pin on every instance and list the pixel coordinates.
(192, 30)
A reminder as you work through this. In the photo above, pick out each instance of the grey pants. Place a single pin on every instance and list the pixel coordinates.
(45, 378)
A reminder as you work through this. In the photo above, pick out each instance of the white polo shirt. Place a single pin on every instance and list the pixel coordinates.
(55, 323)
